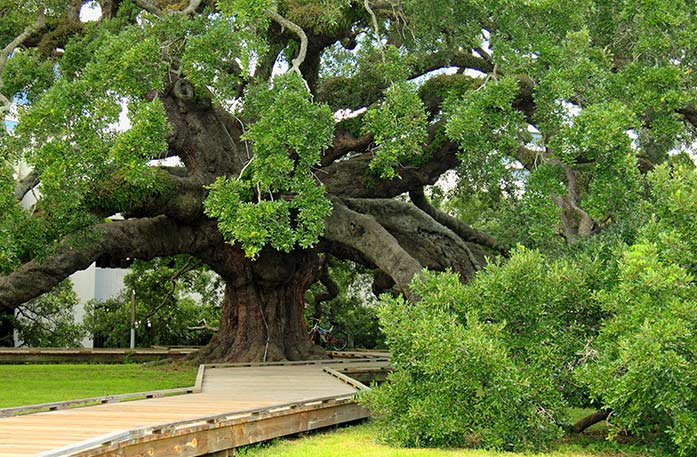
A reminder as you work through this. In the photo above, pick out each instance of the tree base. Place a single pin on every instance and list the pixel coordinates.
(262, 315)
(220, 351)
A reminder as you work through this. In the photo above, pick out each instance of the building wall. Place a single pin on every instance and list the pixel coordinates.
(96, 283)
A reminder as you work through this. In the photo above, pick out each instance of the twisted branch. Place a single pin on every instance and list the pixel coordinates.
(295, 28)
(149, 6)
(5, 102)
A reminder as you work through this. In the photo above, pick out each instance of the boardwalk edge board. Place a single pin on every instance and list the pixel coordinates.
(89, 355)
(300, 362)
(359, 386)
(56, 406)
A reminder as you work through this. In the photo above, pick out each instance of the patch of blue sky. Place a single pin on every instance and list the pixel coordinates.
(10, 125)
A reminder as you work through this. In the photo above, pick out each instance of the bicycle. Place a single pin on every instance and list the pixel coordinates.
(327, 337)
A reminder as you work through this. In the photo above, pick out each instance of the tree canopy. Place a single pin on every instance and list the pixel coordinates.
(258, 136)
(294, 128)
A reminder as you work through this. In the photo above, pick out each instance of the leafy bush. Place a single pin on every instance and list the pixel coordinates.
(645, 364)
(548, 311)
(48, 320)
(456, 383)
(492, 363)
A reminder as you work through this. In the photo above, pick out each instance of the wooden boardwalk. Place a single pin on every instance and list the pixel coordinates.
(224, 390)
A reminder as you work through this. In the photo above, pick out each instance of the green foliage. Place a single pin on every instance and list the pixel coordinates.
(673, 193)
(247, 12)
(48, 320)
(68, 132)
(548, 310)
(288, 137)
(27, 74)
(399, 127)
(455, 382)
(13, 242)
(646, 353)
(488, 130)
(354, 310)
(177, 303)
(469, 358)
(325, 16)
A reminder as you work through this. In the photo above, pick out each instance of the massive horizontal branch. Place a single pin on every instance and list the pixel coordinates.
(353, 178)
(344, 143)
(182, 200)
(463, 230)
(332, 88)
(138, 238)
(26, 184)
(434, 245)
(364, 234)
(460, 58)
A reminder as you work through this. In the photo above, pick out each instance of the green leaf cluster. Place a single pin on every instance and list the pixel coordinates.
(488, 130)
(277, 200)
(399, 128)
(510, 343)
(28, 75)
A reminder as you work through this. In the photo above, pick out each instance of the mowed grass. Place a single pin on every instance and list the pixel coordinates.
(361, 441)
(32, 384)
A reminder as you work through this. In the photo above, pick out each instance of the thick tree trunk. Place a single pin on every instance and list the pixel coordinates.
(262, 317)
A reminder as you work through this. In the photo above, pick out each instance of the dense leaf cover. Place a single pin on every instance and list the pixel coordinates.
(294, 128)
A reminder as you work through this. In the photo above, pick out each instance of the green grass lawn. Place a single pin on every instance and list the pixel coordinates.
(32, 384)
(361, 441)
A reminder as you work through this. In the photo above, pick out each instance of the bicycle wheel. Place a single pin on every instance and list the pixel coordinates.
(338, 341)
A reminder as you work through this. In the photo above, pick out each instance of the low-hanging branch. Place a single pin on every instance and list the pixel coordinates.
(364, 234)
(433, 244)
(143, 239)
(590, 420)
(26, 184)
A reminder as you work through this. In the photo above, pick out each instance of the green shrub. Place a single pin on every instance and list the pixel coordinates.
(48, 320)
(646, 366)
(455, 382)
(645, 359)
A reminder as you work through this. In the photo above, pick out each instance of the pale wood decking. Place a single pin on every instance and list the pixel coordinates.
(224, 390)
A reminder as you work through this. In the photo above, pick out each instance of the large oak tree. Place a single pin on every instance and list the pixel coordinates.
(299, 127)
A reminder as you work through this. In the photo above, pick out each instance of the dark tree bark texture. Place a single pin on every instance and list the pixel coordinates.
(262, 316)
(7, 337)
